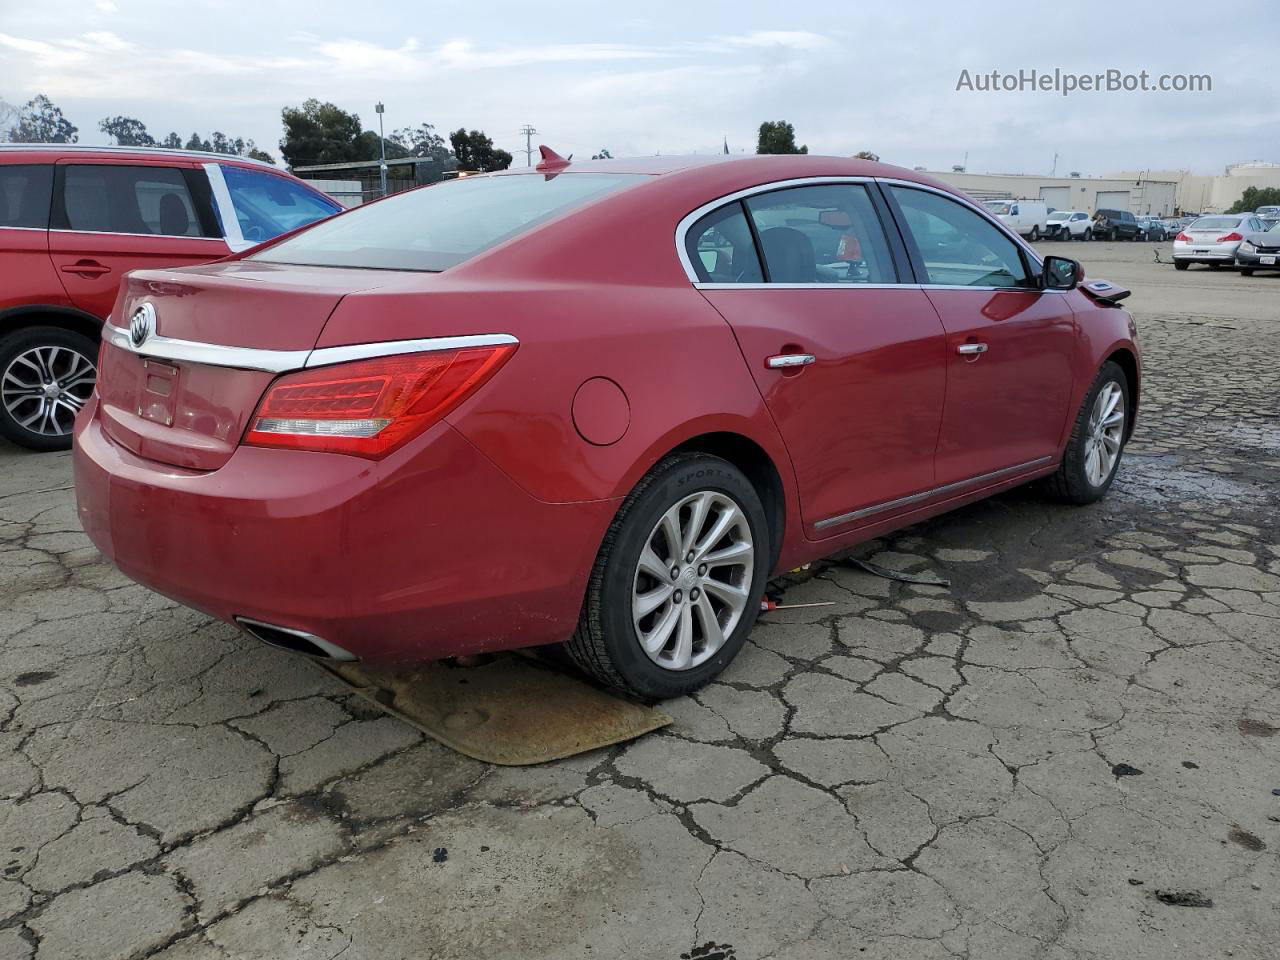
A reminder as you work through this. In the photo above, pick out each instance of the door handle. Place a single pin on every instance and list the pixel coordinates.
(784, 360)
(971, 349)
(86, 268)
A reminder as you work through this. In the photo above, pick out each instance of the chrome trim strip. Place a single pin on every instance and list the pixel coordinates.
(334, 651)
(868, 286)
(281, 361)
(389, 348)
(928, 494)
(149, 236)
(4, 226)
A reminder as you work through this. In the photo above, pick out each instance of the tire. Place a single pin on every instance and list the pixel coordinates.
(1215, 266)
(607, 643)
(1111, 236)
(30, 358)
(1072, 482)
(1180, 265)
(1246, 271)
(1087, 235)
(1034, 235)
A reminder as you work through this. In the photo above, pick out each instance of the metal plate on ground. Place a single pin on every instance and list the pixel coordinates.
(512, 710)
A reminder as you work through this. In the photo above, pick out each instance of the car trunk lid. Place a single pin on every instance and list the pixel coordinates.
(171, 400)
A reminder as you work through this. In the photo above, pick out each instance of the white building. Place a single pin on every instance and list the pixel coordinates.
(1202, 194)
(1156, 194)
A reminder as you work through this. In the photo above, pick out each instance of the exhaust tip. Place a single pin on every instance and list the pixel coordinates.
(295, 641)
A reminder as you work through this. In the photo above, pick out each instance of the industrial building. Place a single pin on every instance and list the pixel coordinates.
(1157, 192)
(1139, 194)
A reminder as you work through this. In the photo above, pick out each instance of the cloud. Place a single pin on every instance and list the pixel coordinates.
(106, 6)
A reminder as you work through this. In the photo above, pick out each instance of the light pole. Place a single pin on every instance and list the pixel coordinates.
(382, 151)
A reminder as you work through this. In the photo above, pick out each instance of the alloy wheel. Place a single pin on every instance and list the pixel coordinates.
(1105, 434)
(44, 388)
(693, 580)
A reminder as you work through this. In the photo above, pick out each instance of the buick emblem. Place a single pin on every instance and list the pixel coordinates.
(142, 324)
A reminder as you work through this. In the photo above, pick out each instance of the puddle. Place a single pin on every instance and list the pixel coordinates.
(1164, 478)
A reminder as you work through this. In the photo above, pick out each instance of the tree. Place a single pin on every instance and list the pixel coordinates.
(195, 143)
(1255, 197)
(476, 152)
(126, 131)
(778, 136)
(320, 133)
(604, 154)
(39, 121)
(866, 155)
(367, 147)
(256, 154)
(172, 142)
(422, 141)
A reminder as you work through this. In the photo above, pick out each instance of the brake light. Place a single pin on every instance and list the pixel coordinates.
(1230, 238)
(1182, 237)
(370, 407)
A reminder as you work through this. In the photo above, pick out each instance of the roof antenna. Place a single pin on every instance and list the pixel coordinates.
(551, 160)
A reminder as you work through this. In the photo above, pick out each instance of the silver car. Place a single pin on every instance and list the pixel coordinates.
(1259, 251)
(1213, 240)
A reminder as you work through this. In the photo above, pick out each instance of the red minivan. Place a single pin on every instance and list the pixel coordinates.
(74, 219)
(594, 403)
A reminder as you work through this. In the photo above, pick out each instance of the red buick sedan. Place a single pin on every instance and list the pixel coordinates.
(596, 404)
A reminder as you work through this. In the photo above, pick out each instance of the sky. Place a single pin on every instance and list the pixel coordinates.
(675, 78)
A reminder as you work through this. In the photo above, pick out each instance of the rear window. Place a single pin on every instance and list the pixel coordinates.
(25, 192)
(440, 226)
(1216, 223)
(136, 199)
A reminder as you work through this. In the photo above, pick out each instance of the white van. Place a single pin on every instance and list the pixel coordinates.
(1028, 217)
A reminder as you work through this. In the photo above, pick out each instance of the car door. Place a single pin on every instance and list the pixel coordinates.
(1009, 344)
(112, 216)
(26, 274)
(848, 357)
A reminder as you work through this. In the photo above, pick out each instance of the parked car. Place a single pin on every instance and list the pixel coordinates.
(1153, 228)
(1213, 240)
(1069, 225)
(1268, 215)
(1259, 250)
(1029, 218)
(473, 417)
(74, 220)
(1116, 225)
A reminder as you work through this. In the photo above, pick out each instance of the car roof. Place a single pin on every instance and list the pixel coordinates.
(97, 152)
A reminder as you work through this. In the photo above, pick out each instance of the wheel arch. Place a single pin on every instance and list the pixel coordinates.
(1127, 361)
(758, 466)
(45, 315)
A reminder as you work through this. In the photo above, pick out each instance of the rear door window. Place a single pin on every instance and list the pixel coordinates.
(434, 228)
(267, 205)
(25, 193)
(721, 249)
(958, 246)
(828, 233)
(143, 199)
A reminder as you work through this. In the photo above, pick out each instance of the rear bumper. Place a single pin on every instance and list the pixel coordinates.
(1204, 252)
(429, 553)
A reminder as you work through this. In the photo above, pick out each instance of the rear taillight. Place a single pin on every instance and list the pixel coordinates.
(1182, 238)
(370, 407)
(1230, 238)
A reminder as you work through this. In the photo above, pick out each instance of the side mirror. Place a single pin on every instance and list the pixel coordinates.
(1062, 273)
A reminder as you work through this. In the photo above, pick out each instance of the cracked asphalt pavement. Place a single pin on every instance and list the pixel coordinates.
(1069, 753)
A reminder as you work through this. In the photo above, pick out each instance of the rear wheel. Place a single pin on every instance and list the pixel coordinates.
(677, 584)
(1246, 271)
(46, 375)
(1180, 264)
(1214, 266)
(1097, 441)
(1035, 234)
(1088, 234)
